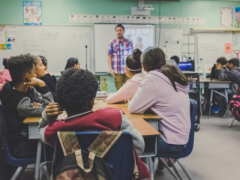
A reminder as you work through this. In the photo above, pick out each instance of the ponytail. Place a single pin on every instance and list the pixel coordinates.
(174, 76)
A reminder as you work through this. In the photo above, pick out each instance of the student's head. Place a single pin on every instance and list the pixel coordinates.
(40, 68)
(76, 91)
(232, 63)
(22, 68)
(5, 63)
(139, 39)
(221, 61)
(44, 61)
(72, 62)
(133, 63)
(176, 59)
(153, 58)
(119, 29)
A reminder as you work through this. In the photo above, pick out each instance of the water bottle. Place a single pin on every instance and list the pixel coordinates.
(204, 75)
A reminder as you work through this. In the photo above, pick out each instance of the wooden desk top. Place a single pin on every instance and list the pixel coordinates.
(137, 120)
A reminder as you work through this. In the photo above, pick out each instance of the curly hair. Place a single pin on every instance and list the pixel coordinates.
(20, 65)
(75, 89)
(5, 63)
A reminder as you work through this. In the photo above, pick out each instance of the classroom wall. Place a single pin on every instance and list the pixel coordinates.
(56, 12)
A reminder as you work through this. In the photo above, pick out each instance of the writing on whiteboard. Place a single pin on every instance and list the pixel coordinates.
(49, 34)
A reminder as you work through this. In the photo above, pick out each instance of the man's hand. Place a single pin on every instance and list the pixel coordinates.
(35, 82)
(112, 72)
(53, 111)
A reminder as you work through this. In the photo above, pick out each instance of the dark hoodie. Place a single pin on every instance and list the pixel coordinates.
(17, 106)
(51, 83)
(233, 76)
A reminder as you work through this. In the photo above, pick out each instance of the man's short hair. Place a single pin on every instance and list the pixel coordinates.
(222, 60)
(120, 25)
(176, 59)
(75, 88)
(20, 65)
(234, 61)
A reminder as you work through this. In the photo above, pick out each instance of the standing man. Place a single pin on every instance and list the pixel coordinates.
(119, 49)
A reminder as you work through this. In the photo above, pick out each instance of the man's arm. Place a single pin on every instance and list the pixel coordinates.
(110, 65)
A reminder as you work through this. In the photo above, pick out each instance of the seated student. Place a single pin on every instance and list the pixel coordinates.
(72, 62)
(165, 91)
(21, 100)
(134, 72)
(220, 63)
(76, 92)
(229, 73)
(5, 75)
(46, 77)
(176, 59)
(45, 63)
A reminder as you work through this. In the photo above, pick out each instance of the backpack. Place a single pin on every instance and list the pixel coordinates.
(78, 164)
(235, 105)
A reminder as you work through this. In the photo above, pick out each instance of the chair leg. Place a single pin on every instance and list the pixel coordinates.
(230, 125)
(155, 165)
(210, 104)
(18, 172)
(175, 169)
(185, 170)
(168, 168)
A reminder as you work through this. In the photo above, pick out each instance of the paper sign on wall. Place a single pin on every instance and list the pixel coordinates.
(228, 48)
(237, 22)
(2, 35)
(226, 17)
(32, 12)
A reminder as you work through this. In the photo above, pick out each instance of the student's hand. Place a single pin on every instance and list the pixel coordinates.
(48, 72)
(112, 72)
(35, 82)
(36, 105)
(53, 111)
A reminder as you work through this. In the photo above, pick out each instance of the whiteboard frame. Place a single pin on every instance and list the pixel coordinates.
(106, 73)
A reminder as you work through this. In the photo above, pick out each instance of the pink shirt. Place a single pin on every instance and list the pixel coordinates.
(157, 93)
(5, 76)
(128, 90)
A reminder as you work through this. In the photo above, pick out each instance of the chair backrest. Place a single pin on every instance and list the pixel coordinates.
(4, 146)
(119, 158)
(189, 148)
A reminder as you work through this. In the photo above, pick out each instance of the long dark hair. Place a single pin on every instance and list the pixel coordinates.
(154, 58)
(71, 62)
(133, 61)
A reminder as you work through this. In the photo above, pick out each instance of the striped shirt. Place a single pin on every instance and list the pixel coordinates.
(120, 50)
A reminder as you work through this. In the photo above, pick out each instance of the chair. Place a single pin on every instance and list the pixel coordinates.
(21, 163)
(119, 158)
(186, 152)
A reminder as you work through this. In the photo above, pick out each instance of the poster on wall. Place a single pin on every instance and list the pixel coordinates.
(226, 17)
(237, 21)
(32, 13)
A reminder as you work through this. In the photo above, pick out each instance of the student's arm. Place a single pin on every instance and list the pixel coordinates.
(124, 93)
(49, 115)
(138, 140)
(223, 74)
(43, 96)
(144, 98)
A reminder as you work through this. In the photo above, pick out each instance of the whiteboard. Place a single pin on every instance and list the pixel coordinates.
(57, 44)
(211, 46)
(105, 33)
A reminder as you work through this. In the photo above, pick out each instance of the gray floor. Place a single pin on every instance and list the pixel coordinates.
(216, 153)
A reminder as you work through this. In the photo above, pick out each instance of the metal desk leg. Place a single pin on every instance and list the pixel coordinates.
(38, 160)
(210, 103)
(226, 94)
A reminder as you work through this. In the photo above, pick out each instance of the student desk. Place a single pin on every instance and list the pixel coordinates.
(148, 132)
(216, 84)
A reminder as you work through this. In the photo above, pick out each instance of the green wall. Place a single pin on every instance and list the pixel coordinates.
(56, 12)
